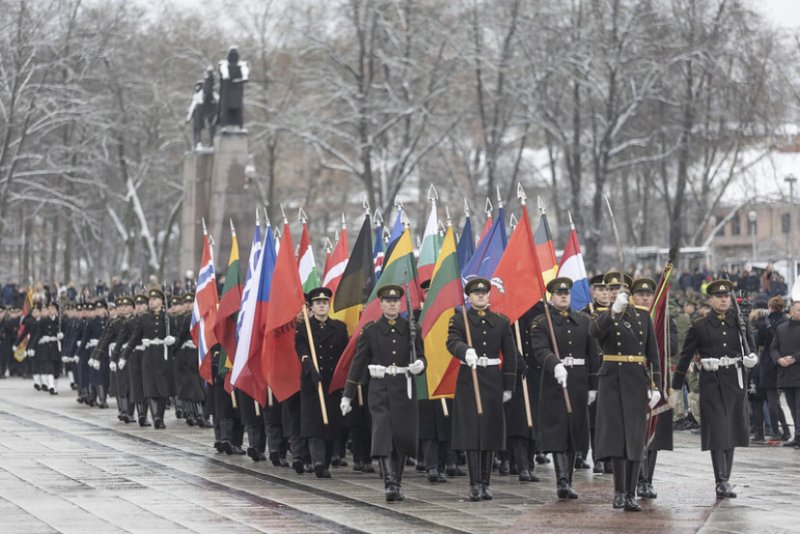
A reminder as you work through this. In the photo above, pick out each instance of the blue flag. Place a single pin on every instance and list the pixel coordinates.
(466, 245)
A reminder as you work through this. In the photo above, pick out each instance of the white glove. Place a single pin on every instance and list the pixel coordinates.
(750, 360)
(377, 371)
(560, 372)
(471, 357)
(620, 303)
(112, 366)
(417, 367)
(66, 359)
(654, 395)
(592, 396)
(345, 406)
(169, 341)
(76, 359)
(96, 365)
(13, 348)
(29, 352)
(122, 364)
(506, 396)
(60, 336)
(710, 364)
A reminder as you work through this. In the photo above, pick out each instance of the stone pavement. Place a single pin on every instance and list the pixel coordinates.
(65, 467)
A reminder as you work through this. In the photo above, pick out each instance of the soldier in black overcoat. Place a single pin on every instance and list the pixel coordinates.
(717, 338)
(481, 435)
(628, 380)
(384, 351)
(119, 367)
(329, 339)
(600, 294)
(564, 433)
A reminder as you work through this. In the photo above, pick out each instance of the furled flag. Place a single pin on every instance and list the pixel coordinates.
(337, 262)
(377, 251)
(517, 282)
(204, 309)
(572, 267)
(659, 312)
(400, 268)
(231, 299)
(545, 249)
(490, 249)
(309, 277)
(429, 251)
(444, 295)
(466, 244)
(357, 280)
(280, 364)
(247, 374)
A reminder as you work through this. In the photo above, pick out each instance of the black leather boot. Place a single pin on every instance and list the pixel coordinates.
(102, 401)
(561, 462)
(474, 469)
(141, 407)
(631, 477)
(487, 460)
(619, 482)
(390, 485)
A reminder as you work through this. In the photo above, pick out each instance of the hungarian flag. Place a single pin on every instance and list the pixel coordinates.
(400, 268)
(247, 372)
(429, 250)
(337, 261)
(309, 277)
(573, 268)
(204, 310)
(659, 312)
(517, 282)
(545, 249)
(280, 364)
(444, 295)
(466, 244)
(357, 280)
(231, 299)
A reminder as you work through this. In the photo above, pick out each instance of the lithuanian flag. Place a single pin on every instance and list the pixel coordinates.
(228, 311)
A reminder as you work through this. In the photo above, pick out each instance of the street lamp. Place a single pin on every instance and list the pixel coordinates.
(752, 216)
(791, 179)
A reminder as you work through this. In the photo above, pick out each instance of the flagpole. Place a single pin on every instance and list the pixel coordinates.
(476, 390)
(525, 394)
(550, 328)
(316, 366)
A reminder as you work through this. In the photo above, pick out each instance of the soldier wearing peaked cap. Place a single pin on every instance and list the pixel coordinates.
(329, 337)
(120, 372)
(189, 385)
(384, 351)
(717, 338)
(565, 433)
(481, 435)
(628, 379)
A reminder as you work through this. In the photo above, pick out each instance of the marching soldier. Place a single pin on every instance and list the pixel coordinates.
(642, 294)
(717, 338)
(97, 316)
(189, 387)
(384, 350)
(625, 386)
(565, 433)
(48, 346)
(599, 293)
(133, 353)
(100, 360)
(118, 366)
(329, 337)
(481, 435)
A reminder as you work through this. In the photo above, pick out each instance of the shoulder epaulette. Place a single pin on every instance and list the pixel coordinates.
(367, 325)
(642, 308)
(699, 319)
(502, 317)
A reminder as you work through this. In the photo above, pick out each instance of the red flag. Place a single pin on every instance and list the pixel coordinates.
(280, 364)
(517, 282)
(336, 263)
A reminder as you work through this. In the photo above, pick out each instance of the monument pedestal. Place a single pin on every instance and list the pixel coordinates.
(214, 189)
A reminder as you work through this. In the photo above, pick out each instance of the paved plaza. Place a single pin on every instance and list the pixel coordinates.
(68, 468)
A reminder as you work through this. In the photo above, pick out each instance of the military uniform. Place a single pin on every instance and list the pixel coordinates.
(189, 385)
(49, 338)
(99, 359)
(330, 339)
(723, 394)
(384, 351)
(481, 436)
(565, 433)
(630, 369)
(133, 353)
(120, 369)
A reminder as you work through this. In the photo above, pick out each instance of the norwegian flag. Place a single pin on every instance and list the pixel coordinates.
(204, 310)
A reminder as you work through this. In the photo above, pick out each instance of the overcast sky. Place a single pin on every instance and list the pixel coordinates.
(785, 13)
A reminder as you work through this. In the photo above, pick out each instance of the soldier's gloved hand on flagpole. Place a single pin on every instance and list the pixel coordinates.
(560, 372)
(169, 341)
(112, 366)
(750, 360)
(377, 371)
(592, 396)
(620, 303)
(654, 396)
(311, 371)
(345, 406)
(13, 348)
(416, 367)
(507, 396)
(60, 336)
(122, 364)
(471, 357)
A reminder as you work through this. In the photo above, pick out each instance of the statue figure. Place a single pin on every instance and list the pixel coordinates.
(233, 75)
(203, 109)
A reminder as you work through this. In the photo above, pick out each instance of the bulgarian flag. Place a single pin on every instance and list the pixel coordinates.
(400, 268)
(429, 250)
(228, 311)
(444, 295)
(309, 276)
